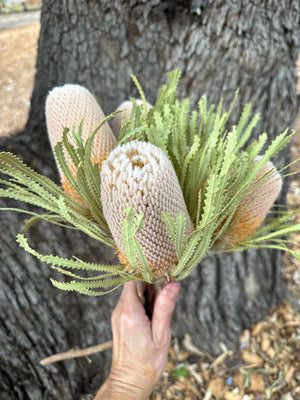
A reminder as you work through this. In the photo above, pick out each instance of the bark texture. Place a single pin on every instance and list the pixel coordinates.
(219, 46)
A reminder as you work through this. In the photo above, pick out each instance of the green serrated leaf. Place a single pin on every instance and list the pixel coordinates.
(180, 234)
(141, 92)
(129, 231)
(170, 225)
(70, 149)
(190, 249)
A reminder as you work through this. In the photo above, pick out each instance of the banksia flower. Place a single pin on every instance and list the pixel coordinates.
(253, 209)
(127, 107)
(140, 175)
(67, 106)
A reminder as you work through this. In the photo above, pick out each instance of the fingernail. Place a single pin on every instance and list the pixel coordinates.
(172, 289)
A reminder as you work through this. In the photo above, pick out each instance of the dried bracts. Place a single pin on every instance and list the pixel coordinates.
(141, 176)
(73, 106)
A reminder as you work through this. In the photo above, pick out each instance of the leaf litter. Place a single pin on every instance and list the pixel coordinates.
(266, 366)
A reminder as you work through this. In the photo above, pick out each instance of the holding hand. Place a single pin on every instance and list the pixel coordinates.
(140, 345)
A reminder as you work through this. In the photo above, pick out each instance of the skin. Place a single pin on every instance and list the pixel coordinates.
(140, 345)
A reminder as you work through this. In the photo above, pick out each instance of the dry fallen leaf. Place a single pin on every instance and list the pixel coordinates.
(257, 383)
(252, 358)
(217, 386)
(239, 380)
(265, 342)
(260, 326)
(289, 375)
(232, 396)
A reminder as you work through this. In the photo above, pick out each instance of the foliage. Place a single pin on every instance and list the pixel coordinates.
(214, 167)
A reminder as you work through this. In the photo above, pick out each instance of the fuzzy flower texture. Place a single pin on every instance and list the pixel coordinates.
(140, 175)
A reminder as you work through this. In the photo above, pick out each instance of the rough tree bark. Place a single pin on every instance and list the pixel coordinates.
(219, 46)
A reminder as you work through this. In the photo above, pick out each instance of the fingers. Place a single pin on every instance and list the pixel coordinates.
(163, 309)
(130, 299)
(129, 303)
(130, 313)
(130, 325)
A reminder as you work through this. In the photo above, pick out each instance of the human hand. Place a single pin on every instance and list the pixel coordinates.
(140, 345)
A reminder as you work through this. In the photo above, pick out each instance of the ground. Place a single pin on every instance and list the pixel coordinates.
(267, 365)
(17, 65)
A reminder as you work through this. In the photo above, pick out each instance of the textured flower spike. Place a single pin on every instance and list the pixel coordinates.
(127, 107)
(140, 175)
(253, 208)
(67, 106)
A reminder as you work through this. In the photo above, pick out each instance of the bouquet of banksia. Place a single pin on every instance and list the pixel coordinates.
(168, 187)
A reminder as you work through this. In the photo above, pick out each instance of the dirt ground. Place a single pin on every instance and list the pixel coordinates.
(268, 364)
(17, 70)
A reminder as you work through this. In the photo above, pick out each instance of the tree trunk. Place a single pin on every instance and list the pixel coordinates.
(219, 46)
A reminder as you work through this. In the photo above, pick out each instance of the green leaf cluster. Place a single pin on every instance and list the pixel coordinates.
(109, 277)
(26, 185)
(215, 166)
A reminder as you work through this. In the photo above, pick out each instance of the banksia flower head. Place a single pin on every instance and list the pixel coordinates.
(253, 209)
(140, 175)
(67, 106)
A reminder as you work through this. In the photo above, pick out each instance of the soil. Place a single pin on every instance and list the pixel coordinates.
(268, 363)
(17, 65)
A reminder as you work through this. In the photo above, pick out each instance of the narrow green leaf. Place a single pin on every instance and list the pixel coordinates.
(69, 147)
(192, 132)
(180, 234)
(128, 233)
(190, 249)
(243, 118)
(295, 228)
(247, 133)
(141, 92)
(170, 225)
(61, 286)
(194, 150)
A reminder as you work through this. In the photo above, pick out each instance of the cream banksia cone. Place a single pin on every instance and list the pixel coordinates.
(139, 175)
(67, 106)
(253, 209)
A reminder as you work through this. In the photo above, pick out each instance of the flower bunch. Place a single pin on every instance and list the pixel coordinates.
(164, 188)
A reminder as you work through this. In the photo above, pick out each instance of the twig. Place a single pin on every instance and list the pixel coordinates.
(222, 357)
(208, 394)
(191, 348)
(76, 353)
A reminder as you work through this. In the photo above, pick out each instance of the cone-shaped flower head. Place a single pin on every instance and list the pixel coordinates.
(140, 175)
(127, 107)
(254, 207)
(67, 106)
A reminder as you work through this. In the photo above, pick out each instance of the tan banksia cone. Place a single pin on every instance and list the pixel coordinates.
(139, 175)
(253, 208)
(67, 106)
(127, 107)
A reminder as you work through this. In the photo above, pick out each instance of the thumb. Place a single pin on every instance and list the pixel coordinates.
(162, 313)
